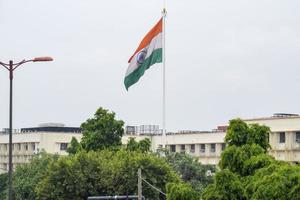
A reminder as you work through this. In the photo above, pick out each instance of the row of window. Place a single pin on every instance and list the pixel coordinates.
(28, 146)
(18, 146)
(282, 137)
(212, 148)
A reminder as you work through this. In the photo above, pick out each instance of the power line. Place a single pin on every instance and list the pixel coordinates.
(153, 187)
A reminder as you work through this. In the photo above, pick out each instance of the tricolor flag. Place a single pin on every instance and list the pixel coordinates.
(148, 53)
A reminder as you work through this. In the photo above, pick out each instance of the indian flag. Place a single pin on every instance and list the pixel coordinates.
(148, 53)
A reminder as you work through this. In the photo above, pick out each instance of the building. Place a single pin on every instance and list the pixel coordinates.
(285, 136)
(208, 145)
(52, 138)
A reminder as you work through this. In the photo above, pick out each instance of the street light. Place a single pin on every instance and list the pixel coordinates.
(11, 67)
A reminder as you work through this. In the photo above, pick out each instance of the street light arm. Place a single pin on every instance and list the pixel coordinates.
(20, 63)
(37, 59)
(4, 65)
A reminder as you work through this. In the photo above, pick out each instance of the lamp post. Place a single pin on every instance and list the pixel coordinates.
(11, 67)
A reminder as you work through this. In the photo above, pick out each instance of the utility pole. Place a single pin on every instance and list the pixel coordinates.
(139, 184)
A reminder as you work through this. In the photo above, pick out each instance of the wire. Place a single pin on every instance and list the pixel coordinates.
(153, 186)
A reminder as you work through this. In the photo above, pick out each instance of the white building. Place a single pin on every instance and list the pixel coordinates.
(285, 136)
(52, 138)
(207, 146)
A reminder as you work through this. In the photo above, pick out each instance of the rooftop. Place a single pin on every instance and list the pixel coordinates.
(276, 116)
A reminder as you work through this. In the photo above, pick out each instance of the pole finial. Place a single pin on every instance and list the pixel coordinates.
(164, 12)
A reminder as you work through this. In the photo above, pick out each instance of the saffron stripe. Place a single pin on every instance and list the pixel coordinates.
(147, 39)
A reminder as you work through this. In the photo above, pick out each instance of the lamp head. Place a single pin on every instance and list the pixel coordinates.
(42, 59)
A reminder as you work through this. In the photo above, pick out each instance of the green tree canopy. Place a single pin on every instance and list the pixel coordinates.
(104, 173)
(190, 170)
(181, 191)
(102, 131)
(227, 186)
(277, 181)
(74, 146)
(239, 134)
(143, 145)
(27, 176)
(3, 185)
(247, 172)
(245, 159)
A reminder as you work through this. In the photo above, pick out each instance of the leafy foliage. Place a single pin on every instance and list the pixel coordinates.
(247, 172)
(3, 185)
(104, 173)
(101, 132)
(227, 186)
(277, 181)
(190, 170)
(239, 159)
(143, 145)
(74, 146)
(26, 176)
(181, 191)
(239, 134)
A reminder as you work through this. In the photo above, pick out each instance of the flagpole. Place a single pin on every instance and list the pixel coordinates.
(164, 14)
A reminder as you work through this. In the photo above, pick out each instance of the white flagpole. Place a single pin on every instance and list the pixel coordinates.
(164, 13)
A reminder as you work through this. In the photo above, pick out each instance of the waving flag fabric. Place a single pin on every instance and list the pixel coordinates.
(148, 53)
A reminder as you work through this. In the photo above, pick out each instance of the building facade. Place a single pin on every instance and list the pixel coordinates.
(27, 142)
(285, 135)
(207, 146)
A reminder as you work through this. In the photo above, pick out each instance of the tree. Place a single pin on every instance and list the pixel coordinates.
(244, 160)
(74, 146)
(227, 186)
(239, 134)
(247, 172)
(3, 185)
(104, 172)
(27, 176)
(277, 181)
(190, 170)
(181, 191)
(102, 131)
(143, 145)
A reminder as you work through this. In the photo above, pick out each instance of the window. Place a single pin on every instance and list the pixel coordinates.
(298, 137)
(33, 146)
(173, 148)
(223, 146)
(182, 148)
(19, 146)
(26, 147)
(63, 146)
(192, 150)
(5, 147)
(202, 148)
(282, 137)
(212, 148)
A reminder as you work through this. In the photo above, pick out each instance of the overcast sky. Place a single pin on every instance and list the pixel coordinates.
(225, 59)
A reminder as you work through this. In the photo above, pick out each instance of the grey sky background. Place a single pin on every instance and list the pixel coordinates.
(225, 59)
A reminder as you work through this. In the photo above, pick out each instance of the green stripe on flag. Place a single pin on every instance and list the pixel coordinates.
(133, 77)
